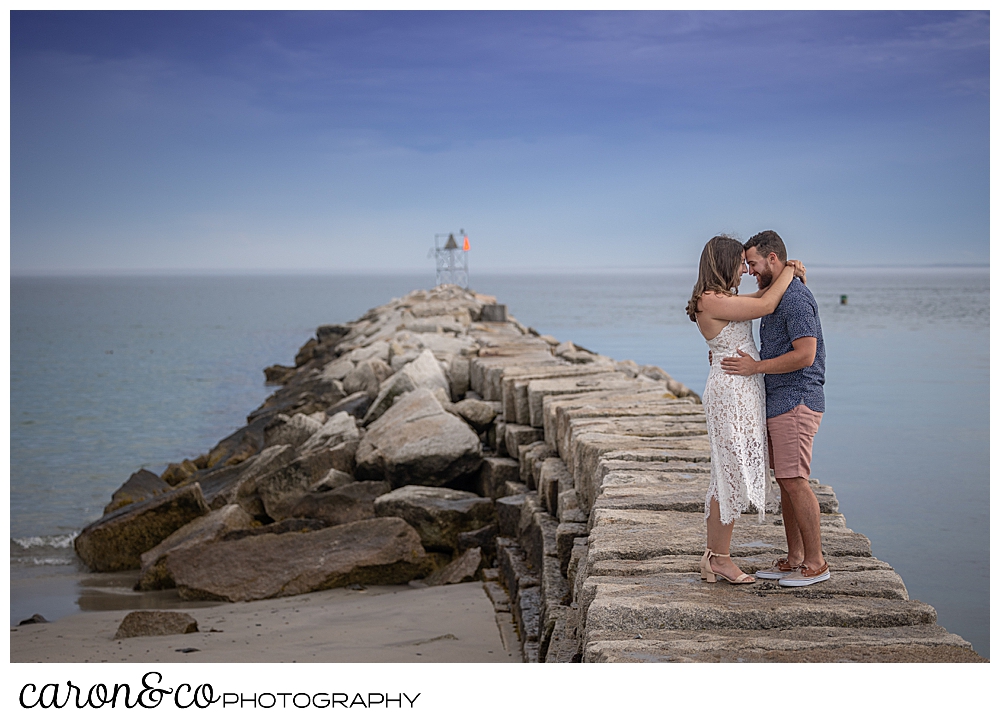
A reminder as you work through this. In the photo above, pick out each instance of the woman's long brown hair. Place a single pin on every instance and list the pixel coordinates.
(719, 270)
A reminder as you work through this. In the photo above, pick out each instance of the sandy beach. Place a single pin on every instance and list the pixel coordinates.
(379, 624)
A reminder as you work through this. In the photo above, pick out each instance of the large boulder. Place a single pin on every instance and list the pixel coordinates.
(376, 350)
(202, 530)
(278, 490)
(307, 352)
(477, 413)
(143, 623)
(239, 446)
(293, 430)
(573, 353)
(484, 538)
(417, 442)
(463, 569)
(117, 540)
(367, 376)
(343, 504)
(278, 374)
(494, 475)
(338, 369)
(332, 480)
(276, 528)
(331, 333)
(446, 345)
(340, 429)
(331, 447)
(142, 485)
(439, 515)
(177, 472)
(229, 485)
(354, 404)
(424, 372)
(313, 392)
(380, 551)
(674, 386)
(403, 357)
(458, 375)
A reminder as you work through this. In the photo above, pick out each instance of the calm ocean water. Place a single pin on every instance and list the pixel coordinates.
(112, 374)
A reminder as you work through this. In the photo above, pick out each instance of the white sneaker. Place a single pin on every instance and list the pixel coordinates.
(803, 576)
(778, 570)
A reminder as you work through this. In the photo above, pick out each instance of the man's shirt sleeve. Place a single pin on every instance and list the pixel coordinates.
(802, 320)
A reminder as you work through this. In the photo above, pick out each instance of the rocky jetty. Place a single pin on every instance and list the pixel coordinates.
(363, 467)
(436, 439)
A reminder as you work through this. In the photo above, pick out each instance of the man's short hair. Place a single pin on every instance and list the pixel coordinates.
(768, 242)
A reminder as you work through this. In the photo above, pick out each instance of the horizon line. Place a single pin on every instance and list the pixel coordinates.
(534, 271)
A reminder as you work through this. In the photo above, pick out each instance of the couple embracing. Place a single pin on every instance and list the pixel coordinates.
(762, 410)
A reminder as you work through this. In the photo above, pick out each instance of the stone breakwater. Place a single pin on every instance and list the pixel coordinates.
(436, 440)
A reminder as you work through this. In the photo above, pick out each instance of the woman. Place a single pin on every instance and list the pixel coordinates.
(734, 405)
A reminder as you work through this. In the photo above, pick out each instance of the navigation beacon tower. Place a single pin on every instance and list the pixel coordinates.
(452, 262)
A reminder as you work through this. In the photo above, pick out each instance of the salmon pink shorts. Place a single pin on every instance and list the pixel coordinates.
(790, 441)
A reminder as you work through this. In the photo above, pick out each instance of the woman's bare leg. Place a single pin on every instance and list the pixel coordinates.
(719, 537)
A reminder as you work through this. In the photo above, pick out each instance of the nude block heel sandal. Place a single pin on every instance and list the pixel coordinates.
(709, 575)
(706, 568)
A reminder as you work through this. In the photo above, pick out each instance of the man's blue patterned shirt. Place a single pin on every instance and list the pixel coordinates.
(797, 316)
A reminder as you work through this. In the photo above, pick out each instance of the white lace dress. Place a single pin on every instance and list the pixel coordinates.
(737, 427)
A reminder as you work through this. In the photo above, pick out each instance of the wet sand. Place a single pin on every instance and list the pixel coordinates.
(379, 624)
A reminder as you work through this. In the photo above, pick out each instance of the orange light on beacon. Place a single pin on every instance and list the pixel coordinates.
(465, 244)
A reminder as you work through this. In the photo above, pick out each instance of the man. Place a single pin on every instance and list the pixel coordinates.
(793, 362)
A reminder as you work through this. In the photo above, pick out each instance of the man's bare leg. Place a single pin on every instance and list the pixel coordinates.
(805, 508)
(793, 536)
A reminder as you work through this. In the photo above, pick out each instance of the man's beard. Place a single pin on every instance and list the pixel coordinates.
(764, 279)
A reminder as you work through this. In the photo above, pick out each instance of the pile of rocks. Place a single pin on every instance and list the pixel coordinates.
(365, 466)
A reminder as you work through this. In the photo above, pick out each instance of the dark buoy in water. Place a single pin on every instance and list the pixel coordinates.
(843, 299)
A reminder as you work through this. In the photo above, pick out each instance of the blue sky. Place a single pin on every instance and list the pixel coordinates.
(340, 141)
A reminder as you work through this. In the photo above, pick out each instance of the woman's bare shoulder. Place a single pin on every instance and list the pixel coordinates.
(711, 297)
(712, 294)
